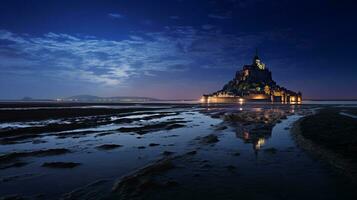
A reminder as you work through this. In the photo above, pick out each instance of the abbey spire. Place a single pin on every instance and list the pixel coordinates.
(257, 62)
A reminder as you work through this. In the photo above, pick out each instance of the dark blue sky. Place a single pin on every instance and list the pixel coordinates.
(174, 49)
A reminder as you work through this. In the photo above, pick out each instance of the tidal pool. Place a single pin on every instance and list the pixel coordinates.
(240, 164)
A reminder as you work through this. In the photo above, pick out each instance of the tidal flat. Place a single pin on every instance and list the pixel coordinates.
(165, 151)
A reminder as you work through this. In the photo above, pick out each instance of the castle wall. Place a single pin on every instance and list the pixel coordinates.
(258, 97)
(213, 99)
(251, 97)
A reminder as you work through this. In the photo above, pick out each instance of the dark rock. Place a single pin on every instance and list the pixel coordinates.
(60, 164)
(220, 128)
(174, 126)
(16, 164)
(16, 155)
(153, 144)
(236, 154)
(210, 139)
(131, 185)
(108, 146)
(191, 153)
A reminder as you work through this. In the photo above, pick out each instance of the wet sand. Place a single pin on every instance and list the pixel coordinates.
(331, 136)
(141, 151)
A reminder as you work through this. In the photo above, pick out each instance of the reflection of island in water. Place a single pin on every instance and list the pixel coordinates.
(255, 125)
(256, 138)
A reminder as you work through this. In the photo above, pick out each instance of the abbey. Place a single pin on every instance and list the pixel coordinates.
(253, 83)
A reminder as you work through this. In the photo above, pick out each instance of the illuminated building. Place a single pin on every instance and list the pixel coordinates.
(253, 83)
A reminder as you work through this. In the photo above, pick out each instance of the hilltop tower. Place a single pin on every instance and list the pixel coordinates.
(257, 62)
(253, 82)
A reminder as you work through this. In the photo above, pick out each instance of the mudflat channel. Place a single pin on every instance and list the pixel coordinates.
(161, 151)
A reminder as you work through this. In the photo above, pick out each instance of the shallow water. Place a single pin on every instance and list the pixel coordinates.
(348, 115)
(215, 172)
(287, 174)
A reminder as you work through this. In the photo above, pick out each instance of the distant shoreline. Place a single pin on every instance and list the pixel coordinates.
(138, 101)
(5, 103)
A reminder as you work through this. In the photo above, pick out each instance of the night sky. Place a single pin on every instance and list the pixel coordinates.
(175, 49)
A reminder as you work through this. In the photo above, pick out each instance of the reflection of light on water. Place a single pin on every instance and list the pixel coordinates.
(257, 109)
(259, 143)
(246, 135)
(266, 116)
(241, 101)
(348, 115)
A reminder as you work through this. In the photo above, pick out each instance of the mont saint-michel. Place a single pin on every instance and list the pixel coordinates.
(253, 83)
(100, 100)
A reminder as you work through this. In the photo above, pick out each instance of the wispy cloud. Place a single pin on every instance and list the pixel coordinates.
(207, 26)
(111, 62)
(217, 16)
(115, 15)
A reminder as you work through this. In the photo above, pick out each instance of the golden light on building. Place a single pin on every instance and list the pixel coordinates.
(277, 93)
(267, 89)
(258, 97)
(299, 99)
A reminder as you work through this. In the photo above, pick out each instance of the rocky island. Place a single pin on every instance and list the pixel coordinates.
(253, 83)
